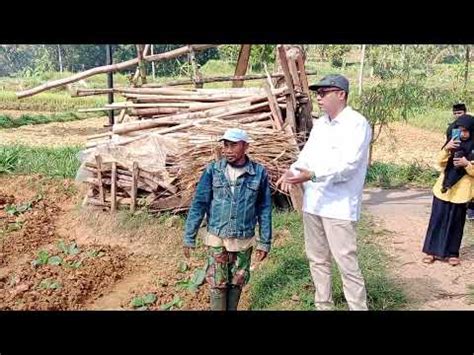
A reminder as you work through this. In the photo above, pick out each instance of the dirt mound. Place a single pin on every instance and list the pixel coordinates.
(69, 285)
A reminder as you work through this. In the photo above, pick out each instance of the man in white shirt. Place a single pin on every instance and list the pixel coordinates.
(332, 168)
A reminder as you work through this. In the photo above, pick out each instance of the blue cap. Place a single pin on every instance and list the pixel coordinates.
(235, 135)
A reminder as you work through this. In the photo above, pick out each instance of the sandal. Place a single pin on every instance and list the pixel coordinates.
(428, 259)
(454, 261)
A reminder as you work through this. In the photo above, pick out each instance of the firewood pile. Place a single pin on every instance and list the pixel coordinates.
(165, 136)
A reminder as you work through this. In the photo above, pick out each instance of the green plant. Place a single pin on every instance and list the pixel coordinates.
(74, 264)
(95, 253)
(50, 284)
(52, 162)
(9, 157)
(182, 266)
(15, 210)
(142, 302)
(195, 281)
(392, 175)
(70, 249)
(55, 260)
(176, 302)
(44, 258)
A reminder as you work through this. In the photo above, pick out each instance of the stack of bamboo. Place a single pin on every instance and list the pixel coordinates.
(277, 117)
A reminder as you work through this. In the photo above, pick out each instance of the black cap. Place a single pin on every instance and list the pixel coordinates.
(459, 107)
(332, 80)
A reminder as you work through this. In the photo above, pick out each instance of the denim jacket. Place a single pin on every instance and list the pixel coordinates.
(232, 215)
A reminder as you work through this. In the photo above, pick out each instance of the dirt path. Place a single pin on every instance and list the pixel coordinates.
(405, 214)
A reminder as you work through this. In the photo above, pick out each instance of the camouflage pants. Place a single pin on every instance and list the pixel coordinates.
(226, 268)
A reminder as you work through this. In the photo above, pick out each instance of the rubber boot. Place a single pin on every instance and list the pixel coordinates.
(218, 299)
(233, 297)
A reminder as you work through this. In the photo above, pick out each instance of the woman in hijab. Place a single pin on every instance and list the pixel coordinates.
(452, 192)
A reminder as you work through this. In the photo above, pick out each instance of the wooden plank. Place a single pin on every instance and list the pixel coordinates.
(286, 73)
(242, 64)
(274, 108)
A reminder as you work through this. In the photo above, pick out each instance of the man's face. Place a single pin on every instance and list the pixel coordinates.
(457, 113)
(329, 98)
(234, 151)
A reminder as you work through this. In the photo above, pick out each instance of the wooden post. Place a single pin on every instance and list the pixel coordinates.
(98, 160)
(196, 76)
(113, 188)
(121, 115)
(141, 63)
(306, 120)
(286, 71)
(242, 64)
(133, 192)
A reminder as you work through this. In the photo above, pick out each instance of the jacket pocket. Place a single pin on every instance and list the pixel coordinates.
(218, 188)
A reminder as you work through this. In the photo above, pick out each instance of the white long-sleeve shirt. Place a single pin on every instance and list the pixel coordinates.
(337, 151)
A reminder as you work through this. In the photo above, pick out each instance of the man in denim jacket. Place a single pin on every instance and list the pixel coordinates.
(233, 193)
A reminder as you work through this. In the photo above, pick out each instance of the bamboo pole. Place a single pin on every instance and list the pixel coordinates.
(108, 68)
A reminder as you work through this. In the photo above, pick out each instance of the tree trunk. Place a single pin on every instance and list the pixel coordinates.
(60, 59)
(466, 69)
(361, 71)
(153, 64)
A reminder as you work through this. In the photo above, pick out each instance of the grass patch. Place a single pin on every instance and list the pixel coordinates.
(287, 274)
(7, 121)
(436, 120)
(470, 289)
(53, 162)
(392, 175)
(49, 101)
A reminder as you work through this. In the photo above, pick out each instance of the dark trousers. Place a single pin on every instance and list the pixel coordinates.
(445, 230)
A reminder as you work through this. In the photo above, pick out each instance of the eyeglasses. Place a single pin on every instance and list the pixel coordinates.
(323, 93)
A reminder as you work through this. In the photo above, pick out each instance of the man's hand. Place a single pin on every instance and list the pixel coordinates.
(260, 255)
(460, 162)
(452, 145)
(305, 175)
(282, 181)
(187, 252)
(288, 178)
